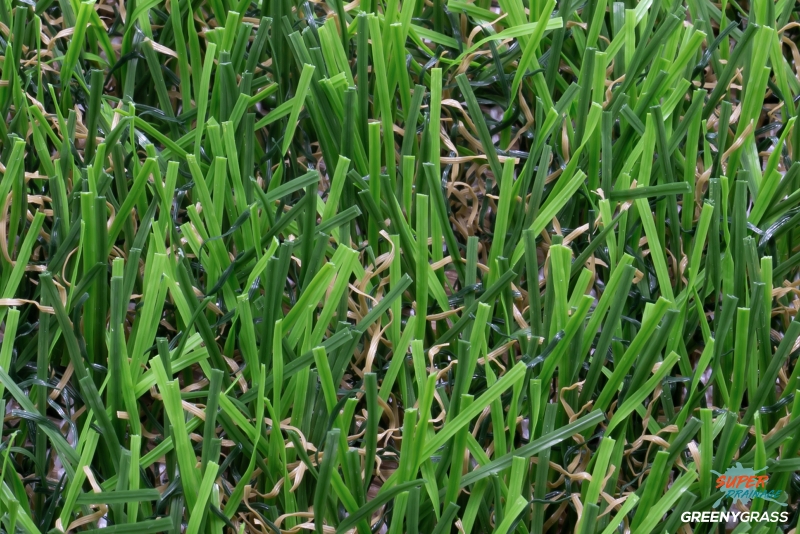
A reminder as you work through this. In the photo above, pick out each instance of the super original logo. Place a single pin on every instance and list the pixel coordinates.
(741, 485)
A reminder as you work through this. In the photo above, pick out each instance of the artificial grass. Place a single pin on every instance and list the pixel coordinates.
(424, 267)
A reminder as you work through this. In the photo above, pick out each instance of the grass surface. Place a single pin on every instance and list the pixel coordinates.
(409, 267)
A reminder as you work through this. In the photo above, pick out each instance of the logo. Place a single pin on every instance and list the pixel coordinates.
(741, 485)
